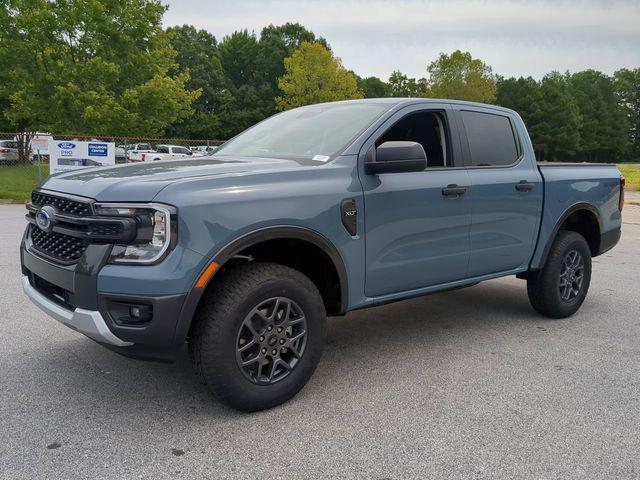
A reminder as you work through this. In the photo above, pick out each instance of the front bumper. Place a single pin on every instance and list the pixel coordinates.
(87, 322)
(70, 294)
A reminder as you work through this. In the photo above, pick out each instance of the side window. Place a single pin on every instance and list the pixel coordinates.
(491, 139)
(162, 149)
(426, 128)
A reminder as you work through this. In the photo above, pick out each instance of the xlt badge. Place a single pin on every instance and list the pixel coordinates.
(349, 215)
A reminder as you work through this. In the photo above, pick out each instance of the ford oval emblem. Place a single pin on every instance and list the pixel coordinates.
(66, 145)
(45, 218)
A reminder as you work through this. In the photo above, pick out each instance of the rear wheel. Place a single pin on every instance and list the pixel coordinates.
(558, 290)
(258, 336)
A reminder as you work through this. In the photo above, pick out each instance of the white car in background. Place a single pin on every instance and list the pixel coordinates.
(134, 152)
(8, 151)
(166, 152)
(204, 150)
(121, 153)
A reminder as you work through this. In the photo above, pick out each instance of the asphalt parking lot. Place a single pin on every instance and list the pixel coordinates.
(465, 384)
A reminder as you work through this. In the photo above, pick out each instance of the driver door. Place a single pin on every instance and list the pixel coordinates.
(417, 235)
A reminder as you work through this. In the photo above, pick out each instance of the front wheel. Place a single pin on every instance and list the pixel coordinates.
(258, 335)
(558, 290)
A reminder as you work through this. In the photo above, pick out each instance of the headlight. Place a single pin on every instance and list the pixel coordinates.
(156, 231)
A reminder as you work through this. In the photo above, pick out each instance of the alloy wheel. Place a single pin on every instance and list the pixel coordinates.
(571, 275)
(271, 340)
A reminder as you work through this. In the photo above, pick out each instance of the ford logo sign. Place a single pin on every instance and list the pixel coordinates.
(66, 145)
(45, 218)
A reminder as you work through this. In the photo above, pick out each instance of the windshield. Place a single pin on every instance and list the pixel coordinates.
(316, 132)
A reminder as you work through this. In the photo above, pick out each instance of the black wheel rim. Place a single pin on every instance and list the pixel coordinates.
(571, 275)
(271, 340)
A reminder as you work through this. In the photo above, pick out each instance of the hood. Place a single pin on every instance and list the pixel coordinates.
(141, 182)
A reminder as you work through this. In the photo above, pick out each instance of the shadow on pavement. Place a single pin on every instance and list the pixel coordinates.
(360, 347)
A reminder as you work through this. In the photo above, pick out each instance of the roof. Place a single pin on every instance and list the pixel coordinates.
(400, 101)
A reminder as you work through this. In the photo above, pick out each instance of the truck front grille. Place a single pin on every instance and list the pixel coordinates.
(104, 229)
(62, 204)
(57, 246)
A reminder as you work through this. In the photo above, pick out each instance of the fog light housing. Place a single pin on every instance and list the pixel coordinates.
(130, 314)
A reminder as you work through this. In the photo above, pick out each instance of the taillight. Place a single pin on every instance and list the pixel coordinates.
(144, 157)
(622, 182)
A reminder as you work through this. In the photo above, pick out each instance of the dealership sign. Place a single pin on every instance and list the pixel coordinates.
(72, 155)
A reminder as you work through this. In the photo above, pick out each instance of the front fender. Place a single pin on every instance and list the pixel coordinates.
(253, 238)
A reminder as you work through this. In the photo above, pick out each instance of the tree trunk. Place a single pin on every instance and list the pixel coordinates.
(23, 140)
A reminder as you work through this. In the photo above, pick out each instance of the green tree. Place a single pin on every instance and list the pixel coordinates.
(399, 85)
(549, 112)
(90, 66)
(524, 95)
(627, 86)
(198, 54)
(558, 126)
(252, 95)
(462, 77)
(4, 66)
(314, 75)
(239, 53)
(279, 42)
(604, 128)
(373, 87)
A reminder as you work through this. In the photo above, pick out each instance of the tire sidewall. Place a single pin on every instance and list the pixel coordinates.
(237, 384)
(574, 242)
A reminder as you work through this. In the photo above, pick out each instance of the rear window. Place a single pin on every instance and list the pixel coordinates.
(144, 146)
(491, 139)
(8, 144)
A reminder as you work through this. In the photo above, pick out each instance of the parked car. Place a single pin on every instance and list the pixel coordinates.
(135, 152)
(120, 152)
(204, 150)
(8, 151)
(166, 152)
(316, 211)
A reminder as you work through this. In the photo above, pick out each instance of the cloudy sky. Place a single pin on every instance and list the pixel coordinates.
(516, 37)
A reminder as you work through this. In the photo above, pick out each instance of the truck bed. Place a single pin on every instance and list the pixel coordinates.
(569, 185)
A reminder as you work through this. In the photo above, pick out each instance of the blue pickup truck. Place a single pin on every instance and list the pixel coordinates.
(315, 211)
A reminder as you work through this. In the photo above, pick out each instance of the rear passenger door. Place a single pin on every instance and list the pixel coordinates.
(505, 190)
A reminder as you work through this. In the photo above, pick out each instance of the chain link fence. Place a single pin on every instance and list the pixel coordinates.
(23, 167)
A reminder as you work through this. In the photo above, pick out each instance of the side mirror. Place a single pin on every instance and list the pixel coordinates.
(396, 157)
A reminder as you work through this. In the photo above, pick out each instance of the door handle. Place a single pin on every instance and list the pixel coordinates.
(453, 190)
(524, 186)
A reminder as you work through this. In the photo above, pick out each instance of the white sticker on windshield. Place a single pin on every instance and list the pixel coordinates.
(321, 158)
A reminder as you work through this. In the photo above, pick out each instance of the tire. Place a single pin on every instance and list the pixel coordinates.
(548, 291)
(229, 318)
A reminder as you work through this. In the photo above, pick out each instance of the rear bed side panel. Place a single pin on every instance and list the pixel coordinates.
(567, 186)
